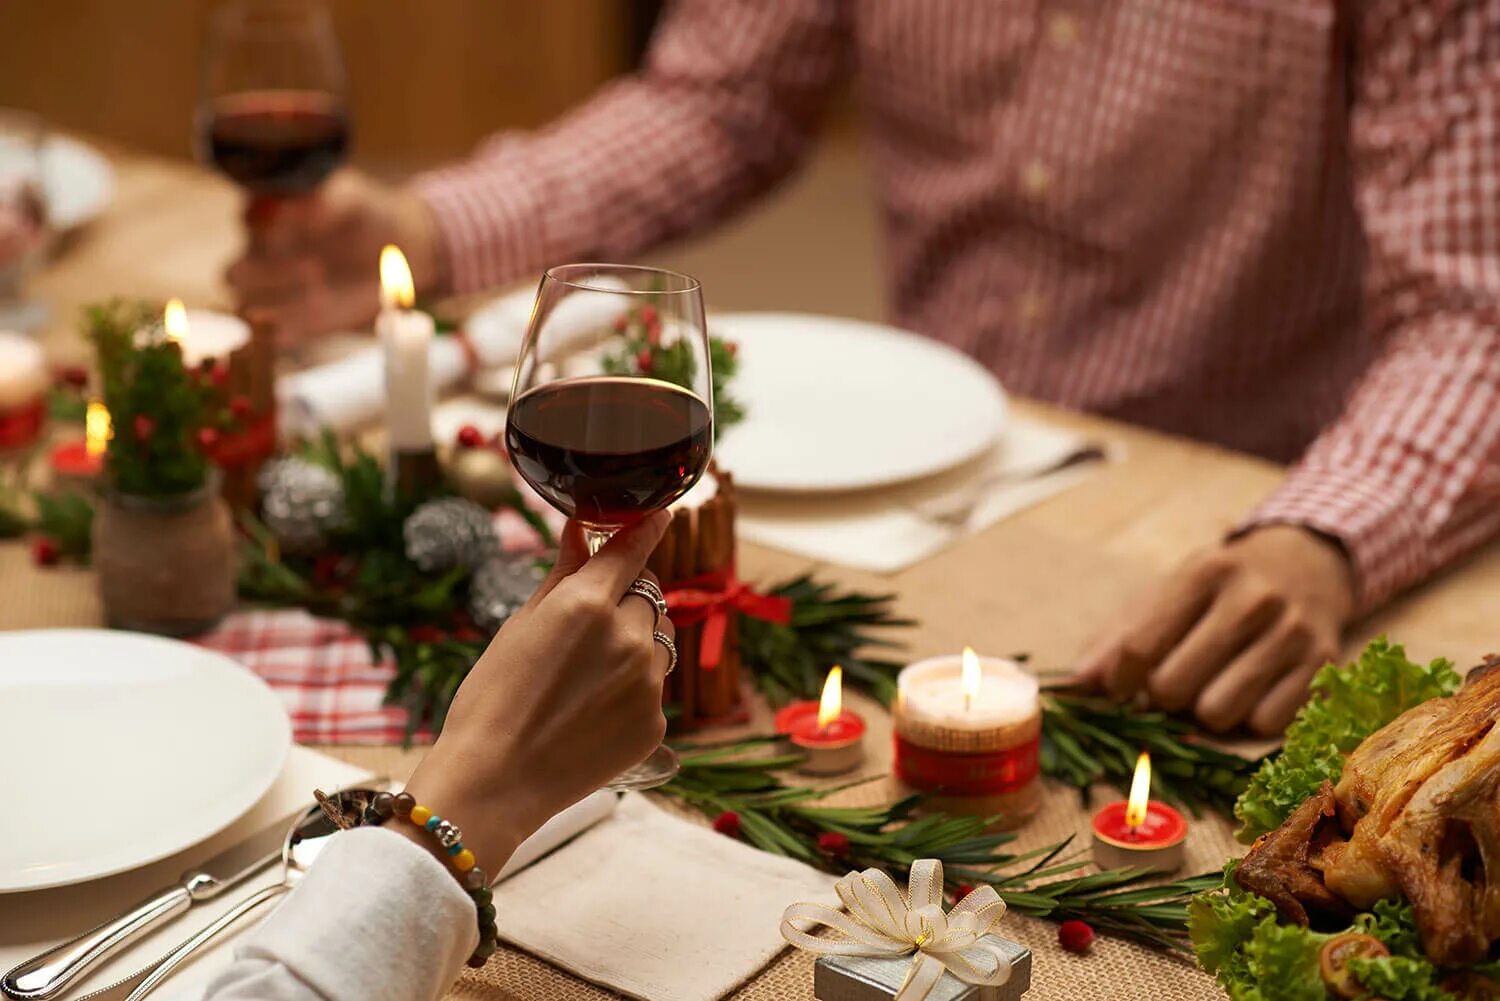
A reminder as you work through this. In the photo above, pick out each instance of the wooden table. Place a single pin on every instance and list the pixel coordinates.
(1041, 581)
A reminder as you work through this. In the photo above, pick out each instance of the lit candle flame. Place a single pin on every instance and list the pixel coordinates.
(1140, 792)
(832, 703)
(397, 291)
(174, 321)
(97, 429)
(972, 677)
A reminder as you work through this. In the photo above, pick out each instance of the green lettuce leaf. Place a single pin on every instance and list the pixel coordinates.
(1347, 705)
(1237, 938)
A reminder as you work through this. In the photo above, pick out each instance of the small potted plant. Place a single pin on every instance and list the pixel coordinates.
(163, 540)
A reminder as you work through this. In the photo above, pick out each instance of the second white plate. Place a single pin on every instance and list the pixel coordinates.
(836, 404)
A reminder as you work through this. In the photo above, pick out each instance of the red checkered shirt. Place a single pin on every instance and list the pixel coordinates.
(1272, 224)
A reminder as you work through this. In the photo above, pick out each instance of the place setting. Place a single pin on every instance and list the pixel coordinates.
(447, 569)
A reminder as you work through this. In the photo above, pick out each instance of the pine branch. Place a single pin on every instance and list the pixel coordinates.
(1087, 740)
(827, 627)
(1049, 882)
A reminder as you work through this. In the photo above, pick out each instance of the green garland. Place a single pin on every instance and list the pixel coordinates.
(738, 785)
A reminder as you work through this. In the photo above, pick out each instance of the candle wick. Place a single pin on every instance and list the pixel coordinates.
(968, 701)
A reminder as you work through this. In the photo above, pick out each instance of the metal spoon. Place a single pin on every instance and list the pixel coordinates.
(306, 839)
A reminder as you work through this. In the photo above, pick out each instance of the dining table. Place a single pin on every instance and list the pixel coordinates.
(1042, 581)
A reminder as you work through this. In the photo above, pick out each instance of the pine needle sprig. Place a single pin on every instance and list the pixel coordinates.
(1051, 882)
(790, 661)
(1086, 740)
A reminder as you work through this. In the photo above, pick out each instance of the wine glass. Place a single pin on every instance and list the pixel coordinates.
(23, 215)
(605, 431)
(272, 114)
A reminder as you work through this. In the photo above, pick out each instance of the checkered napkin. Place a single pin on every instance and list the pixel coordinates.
(323, 670)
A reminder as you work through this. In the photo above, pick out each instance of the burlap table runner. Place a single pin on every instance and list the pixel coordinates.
(1112, 971)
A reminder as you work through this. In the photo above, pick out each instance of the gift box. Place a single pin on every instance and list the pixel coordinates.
(878, 978)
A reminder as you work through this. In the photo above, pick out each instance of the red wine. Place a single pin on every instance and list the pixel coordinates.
(609, 451)
(277, 142)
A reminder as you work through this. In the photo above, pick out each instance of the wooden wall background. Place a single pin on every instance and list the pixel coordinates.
(427, 78)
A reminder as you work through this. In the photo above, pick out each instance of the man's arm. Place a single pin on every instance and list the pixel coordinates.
(1408, 478)
(726, 105)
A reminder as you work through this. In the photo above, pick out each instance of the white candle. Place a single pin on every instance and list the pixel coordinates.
(23, 371)
(406, 338)
(203, 334)
(932, 692)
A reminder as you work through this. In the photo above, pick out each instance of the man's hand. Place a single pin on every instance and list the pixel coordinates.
(1235, 634)
(311, 264)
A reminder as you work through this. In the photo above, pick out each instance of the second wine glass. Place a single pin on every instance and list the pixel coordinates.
(607, 438)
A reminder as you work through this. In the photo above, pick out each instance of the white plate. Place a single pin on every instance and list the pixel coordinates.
(118, 749)
(77, 179)
(835, 404)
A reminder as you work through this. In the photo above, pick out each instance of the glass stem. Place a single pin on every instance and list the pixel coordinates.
(597, 537)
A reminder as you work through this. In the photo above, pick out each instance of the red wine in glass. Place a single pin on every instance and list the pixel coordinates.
(280, 143)
(610, 450)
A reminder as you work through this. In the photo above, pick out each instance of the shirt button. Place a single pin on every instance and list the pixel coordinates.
(1036, 179)
(1063, 29)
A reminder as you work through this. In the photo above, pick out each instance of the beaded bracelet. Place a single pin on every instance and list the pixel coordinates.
(474, 880)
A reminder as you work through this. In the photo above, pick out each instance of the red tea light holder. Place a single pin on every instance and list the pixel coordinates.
(23, 391)
(1140, 832)
(830, 736)
(81, 463)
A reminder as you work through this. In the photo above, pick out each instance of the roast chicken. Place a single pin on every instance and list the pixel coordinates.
(1416, 814)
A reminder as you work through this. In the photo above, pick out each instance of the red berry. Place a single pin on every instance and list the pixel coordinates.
(728, 824)
(1075, 936)
(45, 551)
(240, 408)
(325, 571)
(425, 633)
(649, 315)
(621, 322)
(470, 436)
(643, 359)
(207, 438)
(144, 427)
(961, 891)
(468, 634)
(833, 843)
(74, 375)
(219, 376)
(733, 347)
(653, 334)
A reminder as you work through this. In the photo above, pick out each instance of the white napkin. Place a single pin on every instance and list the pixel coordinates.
(890, 528)
(33, 922)
(655, 906)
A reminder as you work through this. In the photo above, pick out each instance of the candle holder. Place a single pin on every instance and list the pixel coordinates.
(1140, 833)
(969, 736)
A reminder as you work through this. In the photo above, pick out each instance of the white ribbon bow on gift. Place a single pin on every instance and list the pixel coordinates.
(884, 922)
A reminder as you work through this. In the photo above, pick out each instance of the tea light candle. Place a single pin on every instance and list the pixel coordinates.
(23, 390)
(405, 337)
(969, 729)
(205, 336)
(1139, 832)
(831, 736)
(83, 461)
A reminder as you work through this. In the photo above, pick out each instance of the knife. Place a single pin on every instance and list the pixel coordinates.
(44, 976)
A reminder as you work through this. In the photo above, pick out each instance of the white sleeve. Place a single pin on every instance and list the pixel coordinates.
(376, 918)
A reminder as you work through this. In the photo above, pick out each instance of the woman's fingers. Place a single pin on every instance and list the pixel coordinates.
(1122, 661)
(623, 557)
(572, 553)
(1281, 703)
(639, 609)
(1233, 621)
(664, 656)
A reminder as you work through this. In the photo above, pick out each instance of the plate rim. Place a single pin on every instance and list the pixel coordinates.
(231, 667)
(1002, 399)
(82, 151)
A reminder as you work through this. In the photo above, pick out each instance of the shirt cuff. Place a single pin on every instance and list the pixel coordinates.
(377, 917)
(489, 225)
(1384, 539)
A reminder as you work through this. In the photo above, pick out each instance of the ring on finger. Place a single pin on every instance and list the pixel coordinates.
(666, 641)
(647, 589)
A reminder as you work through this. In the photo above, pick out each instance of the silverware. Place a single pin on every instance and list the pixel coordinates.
(44, 976)
(306, 839)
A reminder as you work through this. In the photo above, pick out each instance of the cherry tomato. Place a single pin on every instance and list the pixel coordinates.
(1333, 961)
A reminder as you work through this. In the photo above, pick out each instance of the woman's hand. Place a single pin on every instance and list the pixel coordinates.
(567, 696)
(1234, 634)
(310, 264)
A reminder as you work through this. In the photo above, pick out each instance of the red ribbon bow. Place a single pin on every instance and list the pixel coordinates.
(709, 598)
